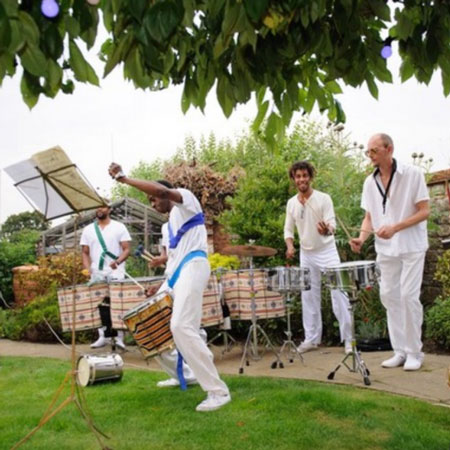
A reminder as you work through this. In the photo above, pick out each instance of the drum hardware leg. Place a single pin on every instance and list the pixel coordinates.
(357, 364)
(289, 344)
(252, 337)
(228, 341)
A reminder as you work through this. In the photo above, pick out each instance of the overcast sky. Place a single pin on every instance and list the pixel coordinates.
(96, 125)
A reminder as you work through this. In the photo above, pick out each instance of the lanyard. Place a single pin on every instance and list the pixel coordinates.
(384, 194)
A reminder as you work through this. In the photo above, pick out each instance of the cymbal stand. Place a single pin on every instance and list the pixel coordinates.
(251, 343)
(356, 362)
(288, 344)
(228, 340)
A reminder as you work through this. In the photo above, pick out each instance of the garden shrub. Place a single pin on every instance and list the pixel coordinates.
(437, 321)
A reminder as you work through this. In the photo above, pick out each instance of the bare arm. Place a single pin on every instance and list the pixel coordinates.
(366, 228)
(86, 257)
(125, 246)
(421, 214)
(148, 187)
(290, 251)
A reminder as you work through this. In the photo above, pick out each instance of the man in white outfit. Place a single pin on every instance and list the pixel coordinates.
(396, 201)
(188, 272)
(105, 245)
(312, 213)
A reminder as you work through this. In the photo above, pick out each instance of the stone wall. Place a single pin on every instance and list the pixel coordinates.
(439, 229)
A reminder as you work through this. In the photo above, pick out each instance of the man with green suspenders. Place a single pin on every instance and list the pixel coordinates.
(105, 246)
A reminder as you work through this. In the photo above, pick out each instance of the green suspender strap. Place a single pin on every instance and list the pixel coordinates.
(103, 245)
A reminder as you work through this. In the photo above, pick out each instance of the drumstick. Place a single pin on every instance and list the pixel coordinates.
(343, 227)
(134, 281)
(146, 253)
(146, 258)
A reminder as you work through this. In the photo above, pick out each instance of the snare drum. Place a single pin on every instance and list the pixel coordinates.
(125, 295)
(149, 323)
(87, 299)
(238, 295)
(92, 369)
(352, 276)
(289, 279)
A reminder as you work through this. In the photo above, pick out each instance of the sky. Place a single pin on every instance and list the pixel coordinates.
(117, 122)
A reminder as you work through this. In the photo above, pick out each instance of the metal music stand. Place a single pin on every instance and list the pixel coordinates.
(251, 343)
(54, 186)
(356, 362)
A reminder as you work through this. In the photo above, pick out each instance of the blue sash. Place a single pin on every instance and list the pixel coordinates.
(198, 219)
(171, 282)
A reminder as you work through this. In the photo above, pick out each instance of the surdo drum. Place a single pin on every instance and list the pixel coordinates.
(92, 369)
(149, 323)
(352, 276)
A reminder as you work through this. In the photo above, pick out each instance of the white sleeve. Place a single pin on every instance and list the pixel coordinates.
(289, 223)
(124, 235)
(84, 240)
(421, 193)
(190, 205)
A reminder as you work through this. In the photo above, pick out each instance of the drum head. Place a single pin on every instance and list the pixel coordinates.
(83, 371)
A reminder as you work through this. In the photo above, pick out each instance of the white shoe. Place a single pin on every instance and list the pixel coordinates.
(348, 347)
(396, 361)
(306, 347)
(119, 343)
(173, 382)
(413, 362)
(101, 342)
(213, 401)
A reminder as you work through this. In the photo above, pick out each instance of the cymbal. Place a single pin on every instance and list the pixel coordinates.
(248, 250)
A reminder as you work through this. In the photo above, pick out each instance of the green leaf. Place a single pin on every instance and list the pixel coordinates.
(373, 88)
(162, 19)
(72, 26)
(5, 29)
(262, 111)
(30, 29)
(224, 89)
(404, 27)
(33, 60)
(54, 74)
(30, 89)
(446, 84)
(380, 9)
(82, 70)
(119, 53)
(52, 42)
(137, 8)
(185, 103)
(134, 68)
(333, 87)
(17, 38)
(304, 16)
(68, 87)
(406, 70)
(340, 114)
(255, 8)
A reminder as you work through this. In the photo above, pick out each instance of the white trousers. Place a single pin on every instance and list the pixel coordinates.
(185, 328)
(401, 279)
(316, 261)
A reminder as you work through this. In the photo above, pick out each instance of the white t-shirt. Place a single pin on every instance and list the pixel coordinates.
(193, 239)
(318, 207)
(113, 234)
(408, 187)
(165, 236)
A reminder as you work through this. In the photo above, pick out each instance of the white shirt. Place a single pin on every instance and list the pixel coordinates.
(193, 239)
(165, 235)
(318, 207)
(408, 188)
(113, 234)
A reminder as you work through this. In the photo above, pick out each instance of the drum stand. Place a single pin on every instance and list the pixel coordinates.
(289, 344)
(251, 343)
(356, 363)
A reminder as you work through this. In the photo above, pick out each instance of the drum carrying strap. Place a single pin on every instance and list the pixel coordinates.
(105, 252)
(198, 219)
(171, 282)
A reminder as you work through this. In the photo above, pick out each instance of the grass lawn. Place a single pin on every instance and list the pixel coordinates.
(265, 413)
